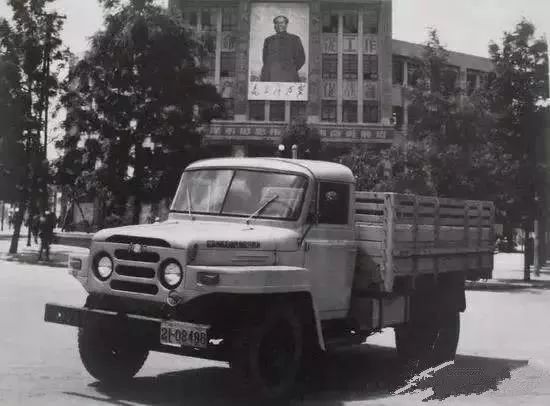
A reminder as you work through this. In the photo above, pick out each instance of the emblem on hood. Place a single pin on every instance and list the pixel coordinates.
(137, 248)
(232, 244)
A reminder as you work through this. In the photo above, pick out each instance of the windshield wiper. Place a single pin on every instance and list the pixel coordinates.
(189, 203)
(262, 207)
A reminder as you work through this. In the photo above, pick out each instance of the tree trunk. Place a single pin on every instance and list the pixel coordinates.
(18, 221)
(23, 200)
(3, 208)
(138, 179)
(542, 241)
(536, 248)
(508, 234)
(527, 254)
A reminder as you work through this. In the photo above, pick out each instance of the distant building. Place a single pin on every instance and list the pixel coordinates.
(350, 86)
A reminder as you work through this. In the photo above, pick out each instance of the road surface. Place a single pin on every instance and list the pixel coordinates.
(504, 356)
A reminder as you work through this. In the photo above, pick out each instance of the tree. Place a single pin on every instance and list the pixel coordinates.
(141, 84)
(12, 152)
(400, 169)
(519, 85)
(306, 139)
(452, 149)
(27, 47)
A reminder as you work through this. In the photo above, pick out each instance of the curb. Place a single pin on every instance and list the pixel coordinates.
(496, 285)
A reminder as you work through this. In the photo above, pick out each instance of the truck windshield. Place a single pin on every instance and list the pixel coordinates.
(240, 193)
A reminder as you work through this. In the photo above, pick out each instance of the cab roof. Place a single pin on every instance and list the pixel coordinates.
(320, 169)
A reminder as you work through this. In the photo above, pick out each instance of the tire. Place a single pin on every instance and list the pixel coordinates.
(108, 355)
(421, 345)
(267, 356)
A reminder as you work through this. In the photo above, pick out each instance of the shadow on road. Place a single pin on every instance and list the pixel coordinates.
(367, 373)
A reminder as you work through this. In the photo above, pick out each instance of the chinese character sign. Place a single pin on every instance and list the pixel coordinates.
(278, 56)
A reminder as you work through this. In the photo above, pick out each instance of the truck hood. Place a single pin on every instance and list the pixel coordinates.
(209, 234)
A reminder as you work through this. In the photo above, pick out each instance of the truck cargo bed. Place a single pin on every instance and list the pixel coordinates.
(402, 236)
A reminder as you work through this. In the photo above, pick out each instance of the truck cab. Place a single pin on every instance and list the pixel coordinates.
(245, 238)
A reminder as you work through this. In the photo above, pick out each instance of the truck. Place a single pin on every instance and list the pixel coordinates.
(266, 263)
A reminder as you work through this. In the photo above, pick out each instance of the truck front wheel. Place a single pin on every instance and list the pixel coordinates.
(110, 356)
(267, 355)
(426, 343)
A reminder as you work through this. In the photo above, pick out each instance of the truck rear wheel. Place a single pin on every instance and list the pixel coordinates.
(110, 356)
(267, 355)
(426, 343)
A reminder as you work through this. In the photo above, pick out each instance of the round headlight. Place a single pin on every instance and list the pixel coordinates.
(172, 274)
(104, 267)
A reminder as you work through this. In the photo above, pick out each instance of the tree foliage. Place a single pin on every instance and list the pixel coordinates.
(306, 139)
(452, 150)
(28, 45)
(519, 85)
(135, 100)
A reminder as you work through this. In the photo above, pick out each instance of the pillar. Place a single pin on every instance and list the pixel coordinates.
(385, 79)
(314, 86)
(241, 56)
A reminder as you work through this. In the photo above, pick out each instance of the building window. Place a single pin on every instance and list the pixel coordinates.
(328, 110)
(370, 112)
(413, 73)
(370, 67)
(329, 66)
(256, 110)
(473, 80)
(208, 20)
(450, 75)
(330, 23)
(370, 22)
(209, 62)
(297, 110)
(397, 68)
(397, 115)
(349, 66)
(483, 80)
(350, 23)
(229, 19)
(193, 18)
(227, 64)
(277, 111)
(412, 114)
(228, 109)
(349, 111)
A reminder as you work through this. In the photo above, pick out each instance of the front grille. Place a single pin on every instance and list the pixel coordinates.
(135, 271)
(126, 255)
(134, 287)
(128, 239)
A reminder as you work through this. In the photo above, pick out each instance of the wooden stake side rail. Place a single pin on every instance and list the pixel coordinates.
(407, 235)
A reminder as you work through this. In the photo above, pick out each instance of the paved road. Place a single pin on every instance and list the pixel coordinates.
(504, 356)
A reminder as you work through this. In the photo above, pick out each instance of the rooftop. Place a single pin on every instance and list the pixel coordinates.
(320, 169)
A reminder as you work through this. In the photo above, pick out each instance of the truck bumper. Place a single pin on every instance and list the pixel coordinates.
(146, 328)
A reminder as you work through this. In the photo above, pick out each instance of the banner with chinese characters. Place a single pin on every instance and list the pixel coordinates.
(344, 133)
(279, 50)
(277, 91)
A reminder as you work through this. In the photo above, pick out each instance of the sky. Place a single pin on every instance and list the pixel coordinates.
(464, 25)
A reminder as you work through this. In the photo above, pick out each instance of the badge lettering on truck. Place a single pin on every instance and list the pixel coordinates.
(232, 244)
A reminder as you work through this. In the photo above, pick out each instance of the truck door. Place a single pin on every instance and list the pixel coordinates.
(331, 250)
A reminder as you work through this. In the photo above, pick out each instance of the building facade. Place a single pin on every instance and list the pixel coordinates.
(332, 64)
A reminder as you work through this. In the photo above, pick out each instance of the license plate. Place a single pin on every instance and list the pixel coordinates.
(177, 334)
